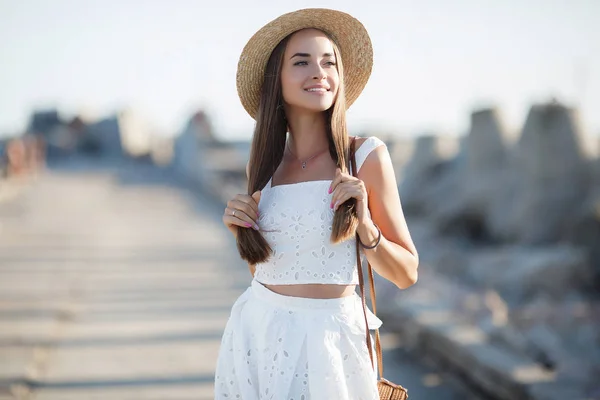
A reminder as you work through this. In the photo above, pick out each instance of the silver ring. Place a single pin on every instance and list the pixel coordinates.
(233, 213)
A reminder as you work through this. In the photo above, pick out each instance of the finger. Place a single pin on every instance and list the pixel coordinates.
(355, 192)
(249, 200)
(348, 181)
(345, 197)
(337, 179)
(239, 219)
(230, 221)
(245, 207)
(256, 197)
(241, 211)
(339, 189)
(339, 193)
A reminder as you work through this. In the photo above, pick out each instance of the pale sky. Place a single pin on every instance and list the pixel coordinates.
(434, 61)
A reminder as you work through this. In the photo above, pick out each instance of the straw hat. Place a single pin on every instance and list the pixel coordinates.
(347, 32)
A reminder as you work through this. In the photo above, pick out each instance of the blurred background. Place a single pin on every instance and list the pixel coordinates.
(122, 137)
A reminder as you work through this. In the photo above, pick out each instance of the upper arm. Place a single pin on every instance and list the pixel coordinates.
(377, 173)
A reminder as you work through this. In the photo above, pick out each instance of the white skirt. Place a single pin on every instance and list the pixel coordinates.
(294, 348)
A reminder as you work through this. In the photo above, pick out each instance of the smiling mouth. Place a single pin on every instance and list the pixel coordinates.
(316, 90)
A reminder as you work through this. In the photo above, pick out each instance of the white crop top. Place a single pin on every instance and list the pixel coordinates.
(296, 221)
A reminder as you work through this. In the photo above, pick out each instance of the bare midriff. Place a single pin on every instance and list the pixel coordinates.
(313, 291)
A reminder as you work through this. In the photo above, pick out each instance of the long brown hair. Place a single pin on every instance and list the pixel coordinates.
(268, 145)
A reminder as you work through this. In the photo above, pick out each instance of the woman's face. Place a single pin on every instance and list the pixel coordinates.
(309, 76)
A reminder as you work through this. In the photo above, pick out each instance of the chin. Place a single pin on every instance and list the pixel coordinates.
(318, 107)
(321, 109)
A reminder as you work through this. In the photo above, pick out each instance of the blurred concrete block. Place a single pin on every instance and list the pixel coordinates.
(422, 174)
(549, 179)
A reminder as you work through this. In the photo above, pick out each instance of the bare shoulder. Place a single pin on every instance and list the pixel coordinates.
(377, 166)
(376, 156)
(374, 143)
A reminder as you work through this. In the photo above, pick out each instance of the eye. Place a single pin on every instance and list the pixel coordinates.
(301, 63)
(332, 63)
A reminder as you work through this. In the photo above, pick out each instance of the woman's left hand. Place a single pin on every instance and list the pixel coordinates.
(345, 186)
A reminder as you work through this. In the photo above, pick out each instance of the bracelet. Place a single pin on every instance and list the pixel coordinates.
(376, 242)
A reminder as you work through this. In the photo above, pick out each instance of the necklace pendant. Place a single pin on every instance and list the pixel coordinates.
(303, 164)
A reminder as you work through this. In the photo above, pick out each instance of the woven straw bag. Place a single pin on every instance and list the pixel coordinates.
(387, 390)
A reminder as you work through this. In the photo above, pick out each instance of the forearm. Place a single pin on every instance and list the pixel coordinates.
(389, 259)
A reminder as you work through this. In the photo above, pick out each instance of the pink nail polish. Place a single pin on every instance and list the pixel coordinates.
(331, 205)
(329, 190)
(247, 225)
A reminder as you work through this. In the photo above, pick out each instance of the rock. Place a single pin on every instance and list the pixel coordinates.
(535, 205)
(595, 166)
(400, 150)
(463, 195)
(520, 273)
(420, 172)
(548, 179)
(486, 146)
(449, 260)
(546, 338)
(432, 188)
(42, 122)
(442, 199)
(486, 159)
(107, 134)
(584, 231)
(190, 151)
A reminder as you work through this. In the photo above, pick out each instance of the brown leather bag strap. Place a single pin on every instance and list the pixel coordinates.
(362, 285)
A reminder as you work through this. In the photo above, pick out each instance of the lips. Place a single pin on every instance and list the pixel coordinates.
(317, 88)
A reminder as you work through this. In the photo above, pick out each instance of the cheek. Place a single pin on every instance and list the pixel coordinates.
(291, 76)
(334, 83)
(290, 84)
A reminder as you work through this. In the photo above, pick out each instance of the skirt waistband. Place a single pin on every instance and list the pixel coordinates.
(346, 303)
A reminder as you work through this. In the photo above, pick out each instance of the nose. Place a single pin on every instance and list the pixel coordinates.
(319, 73)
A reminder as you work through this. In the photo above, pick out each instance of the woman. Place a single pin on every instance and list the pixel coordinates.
(296, 332)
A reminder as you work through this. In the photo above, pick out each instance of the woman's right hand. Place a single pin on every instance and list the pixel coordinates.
(242, 211)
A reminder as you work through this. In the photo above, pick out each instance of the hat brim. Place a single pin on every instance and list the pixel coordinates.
(346, 31)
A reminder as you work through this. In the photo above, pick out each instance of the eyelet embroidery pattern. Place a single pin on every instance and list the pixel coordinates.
(296, 222)
(292, 349)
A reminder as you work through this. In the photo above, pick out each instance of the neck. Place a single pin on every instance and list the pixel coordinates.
(308, 135)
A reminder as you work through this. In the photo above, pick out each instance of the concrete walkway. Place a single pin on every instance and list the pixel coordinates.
(116, 283)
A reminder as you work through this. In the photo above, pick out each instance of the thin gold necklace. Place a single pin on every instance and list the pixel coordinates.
(305, 161)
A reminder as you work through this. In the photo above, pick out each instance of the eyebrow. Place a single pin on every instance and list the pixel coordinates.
(308, 55)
